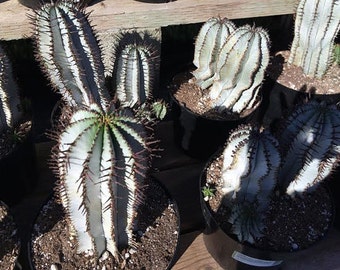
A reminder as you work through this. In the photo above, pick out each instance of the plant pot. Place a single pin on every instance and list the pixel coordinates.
(9, 239)
(156, 249)
(18, 171)
(200, 136)
(231, 254)
(285, 91)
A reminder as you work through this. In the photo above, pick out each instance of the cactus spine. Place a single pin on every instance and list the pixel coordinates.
(134, 69)
(209, 41)
(10, 113)
(316, 26)
(102, 160)
(69, 53)
(312, 142)
(249, 174)
(240, 69)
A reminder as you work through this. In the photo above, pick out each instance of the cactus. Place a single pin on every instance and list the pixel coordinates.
(249, 174)
(102, 159)
(137, 60)
(10, 113)
(316, 26)
(209, 41)
(240, 69)
(311, 143)
(68, 51)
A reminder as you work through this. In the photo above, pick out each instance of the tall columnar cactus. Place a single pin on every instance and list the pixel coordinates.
(10, 113)
(311, 143)
(69, 53)
(249, 174)
(102, 159)
(240, 69)
(209, 41)
(137, 60)
(316, 26)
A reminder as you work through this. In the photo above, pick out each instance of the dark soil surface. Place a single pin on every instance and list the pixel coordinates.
(9, 239)
(156, 239)
(293, 77)
(291, 224)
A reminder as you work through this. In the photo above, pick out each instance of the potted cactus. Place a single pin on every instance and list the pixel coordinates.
(270, 198)
(16, 147)
(106, 211)
(308, 69)
(224, 87)
(10, 241)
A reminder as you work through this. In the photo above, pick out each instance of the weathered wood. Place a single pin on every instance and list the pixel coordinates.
(117, 14)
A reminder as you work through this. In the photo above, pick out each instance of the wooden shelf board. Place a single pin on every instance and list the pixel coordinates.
(112, 15)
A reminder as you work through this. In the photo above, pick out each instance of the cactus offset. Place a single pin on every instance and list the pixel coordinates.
(249, 174)
(209, 41)
(137, 60)
(10, 113)
(311, 143)
(240, 69)
(69, 54)
(316, 26)
(102, 159)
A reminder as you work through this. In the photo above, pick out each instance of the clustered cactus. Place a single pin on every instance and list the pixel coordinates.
(10, 110)
(255, 164)
(231, 64)
(316, 26)
(103, 149)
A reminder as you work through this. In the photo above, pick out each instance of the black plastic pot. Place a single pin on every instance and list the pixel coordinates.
(199, 136)
(52, 199)
(279, 100)
(230, 254)
(18, 172)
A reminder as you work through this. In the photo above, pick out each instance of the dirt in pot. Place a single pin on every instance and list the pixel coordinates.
(291, 223)
(190, 95)
(9, 239)
(292, 76)
(156, 238)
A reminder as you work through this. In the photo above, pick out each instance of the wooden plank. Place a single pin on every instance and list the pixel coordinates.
(117, 14)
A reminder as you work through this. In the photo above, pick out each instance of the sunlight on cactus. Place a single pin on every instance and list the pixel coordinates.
(102, 159)
(316, 26)
(10, 113)
(311, 144)
(250, 164)
(103, 151)
(209, 41)
(240, 69)
(137, 60)
(69, 54)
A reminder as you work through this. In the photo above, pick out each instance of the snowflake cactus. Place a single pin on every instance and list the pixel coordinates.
(68, 51)
(249, 174)
(209, 41)
(311, 140)
(10, 113)
(240, 69)
(102, 159)
(316, 26)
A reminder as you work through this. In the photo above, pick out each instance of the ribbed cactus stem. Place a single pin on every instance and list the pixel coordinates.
(240, 69)
(134, 70)
(10, 113)
(316, 26)
(209, 41)
(249, 174)
(312, 140)
(102, 160)
(69, 53)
